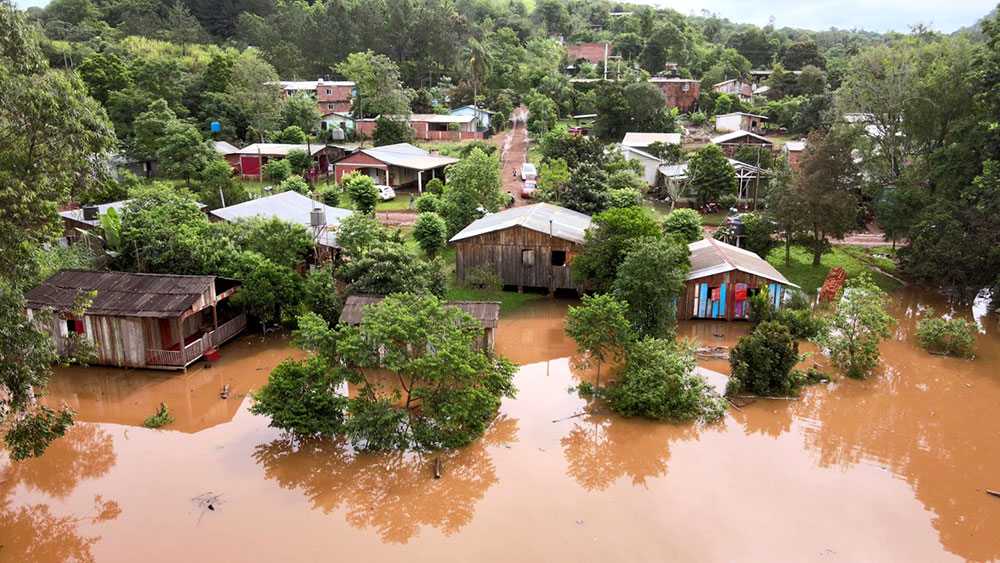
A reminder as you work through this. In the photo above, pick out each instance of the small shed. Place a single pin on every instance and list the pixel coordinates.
(527, 246)
(483, 115)
(794, 150)
(747, 176)
(321, 219)
(722, 278)
(731, 142)
(487, 313)
(139, 320)
(401, 165)
(739, 121)
(451, 127)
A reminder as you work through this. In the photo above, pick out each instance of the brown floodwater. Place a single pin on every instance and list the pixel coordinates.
(891, 468)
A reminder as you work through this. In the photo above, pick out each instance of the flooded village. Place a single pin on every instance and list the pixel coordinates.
(498, 281)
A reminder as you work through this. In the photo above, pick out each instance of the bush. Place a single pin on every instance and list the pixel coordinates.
(161, 418)
(952, 337)
(430, 232)
(728, 201)
(302, 398)
(295, 184)
(435, 186)
(320, 296)
(299, 160)
(329, 193)
(800, 322)
(362, 191)
(758, 234)
(762, 362)
(685, 222)
(278, 170)
(698, 118)
(293, 134)
(428, 203)
(484, 278)
(624, 197)
(466, 150)
(659, 382)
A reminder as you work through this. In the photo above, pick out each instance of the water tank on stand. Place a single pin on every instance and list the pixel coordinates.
(317, 217)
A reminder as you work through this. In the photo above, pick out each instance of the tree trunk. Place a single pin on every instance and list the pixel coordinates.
(817, 251)
(788, 248)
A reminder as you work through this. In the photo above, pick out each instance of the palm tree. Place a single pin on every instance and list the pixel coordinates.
(477, 62)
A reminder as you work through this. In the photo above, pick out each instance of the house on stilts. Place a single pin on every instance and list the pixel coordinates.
(152, 321)
(487, 313)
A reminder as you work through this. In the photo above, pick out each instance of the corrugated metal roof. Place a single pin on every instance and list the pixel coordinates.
(642, 140)
(679, 171)
(282, 149)
(710, 257)
(741, 113)
(795, 146)
(102, 209)
(121, 294)
(225, 148)
(406, 155)
(542, 217)
(737, 134)
(311, 84)
(486, 312)
(287, 206)
(438, 118)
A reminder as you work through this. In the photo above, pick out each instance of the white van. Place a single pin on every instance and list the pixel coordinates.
(528, 171)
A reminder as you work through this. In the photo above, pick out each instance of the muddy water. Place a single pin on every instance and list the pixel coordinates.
(893, 468)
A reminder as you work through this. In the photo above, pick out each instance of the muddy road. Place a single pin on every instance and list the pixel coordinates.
(892, 468)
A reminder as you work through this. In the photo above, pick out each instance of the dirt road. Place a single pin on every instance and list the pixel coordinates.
(513, 149)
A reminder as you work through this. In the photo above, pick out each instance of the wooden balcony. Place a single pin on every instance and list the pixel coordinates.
(196, 348)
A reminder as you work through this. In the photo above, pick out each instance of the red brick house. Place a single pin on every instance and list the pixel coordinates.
(401, 165)
(681, 93)
(593, 52)
(331, 95)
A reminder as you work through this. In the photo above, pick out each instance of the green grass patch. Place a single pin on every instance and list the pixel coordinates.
(508, 299)
(882, 256)
(810, 278)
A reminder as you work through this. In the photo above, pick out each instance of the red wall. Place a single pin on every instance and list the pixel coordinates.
(677, 97)
(352, 162)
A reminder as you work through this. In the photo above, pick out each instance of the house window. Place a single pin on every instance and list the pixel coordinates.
(329, 106)
(558, 257)
(329, 91)
(75, 326)
(527, 258)
(686, 87)
(322, 125)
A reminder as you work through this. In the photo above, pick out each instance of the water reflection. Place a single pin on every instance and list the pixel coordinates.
(536, 332)
(393, 493)
(32, 531)
(602, 448)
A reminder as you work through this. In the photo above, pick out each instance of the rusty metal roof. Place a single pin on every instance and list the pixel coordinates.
(545, 218)
(486, 312)
(710, 257)
(122, 294)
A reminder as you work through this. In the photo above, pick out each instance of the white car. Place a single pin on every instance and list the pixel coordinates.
(386, 192)
(528, 171)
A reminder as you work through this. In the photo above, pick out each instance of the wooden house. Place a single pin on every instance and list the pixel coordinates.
(139, 320)
(722, 278)
(527, 246)
(731, 142)
(401, 165)
(228, 151)
(256, 156)
(487, 313)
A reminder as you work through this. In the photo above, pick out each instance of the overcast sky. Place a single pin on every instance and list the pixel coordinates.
(877, 15)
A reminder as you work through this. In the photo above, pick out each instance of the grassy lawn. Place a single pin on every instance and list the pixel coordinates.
(882, 256)
(801, 271)
(444, 148)
(507, 299)
(658, 210)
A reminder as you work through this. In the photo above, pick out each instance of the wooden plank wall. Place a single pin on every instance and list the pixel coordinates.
(686, 300)
(504, 250)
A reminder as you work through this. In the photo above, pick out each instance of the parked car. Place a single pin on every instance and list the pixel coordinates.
(386, 192)
(528, 189)
(528, 171)
(578, 130)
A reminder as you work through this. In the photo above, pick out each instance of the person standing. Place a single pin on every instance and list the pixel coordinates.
(412, 201)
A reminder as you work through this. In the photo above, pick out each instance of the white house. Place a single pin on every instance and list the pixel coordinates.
(483, 115)
(738, 121)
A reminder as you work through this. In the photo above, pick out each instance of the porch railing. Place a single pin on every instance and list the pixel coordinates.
(229, 329)
(163, 357)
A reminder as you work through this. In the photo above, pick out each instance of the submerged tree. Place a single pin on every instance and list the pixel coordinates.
(858, 326)
(648, 282)
(762, 362)
(600, 329)
(420, 380)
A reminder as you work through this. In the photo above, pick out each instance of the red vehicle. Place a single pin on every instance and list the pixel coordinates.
(528, 190)
(577, 130)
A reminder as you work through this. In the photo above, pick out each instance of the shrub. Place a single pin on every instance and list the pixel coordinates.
(800, 322)
(299, 160)
(329, 193)
(484, 278)
(362, 191)
(430, 232)
(428, 203)
(293, 134)
(758, 234)
(278, 170)
(161, 418)
(762, 362)
(295, 184)
(858, 326)
(698, 118)
(685, 222)
(952, 337)
(624, 197)
(728, 201)
(435, 186)
(659, 382)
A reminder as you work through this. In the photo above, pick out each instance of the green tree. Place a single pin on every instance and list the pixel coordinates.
(605, 245)
(710, 174)
(294, 183)
(759, 231)
(268, 288)
(302, 397)
(950, 336)
(434, 186)
(801, 54)
(823, 191)
(278, 170)
(320, 294)
(659, 382)
(293, 135)
(362, 191)
(553, 175)
(762, 362)
(254, 84)
(300, 111)
(151, 126)
(685, 223)
(600, 329)
(648, 282)
(858, 326)
(430, 232)
(377, 80)
(359, 232)
(474, 181)
(182, 152)
(282, 242)
(299, 160)
(392, 267)
(542, 115)
(104, 73)
(587, 190)
(391, 131)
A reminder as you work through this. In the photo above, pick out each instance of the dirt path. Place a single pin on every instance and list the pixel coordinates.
(513, 149)
(401, 219)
